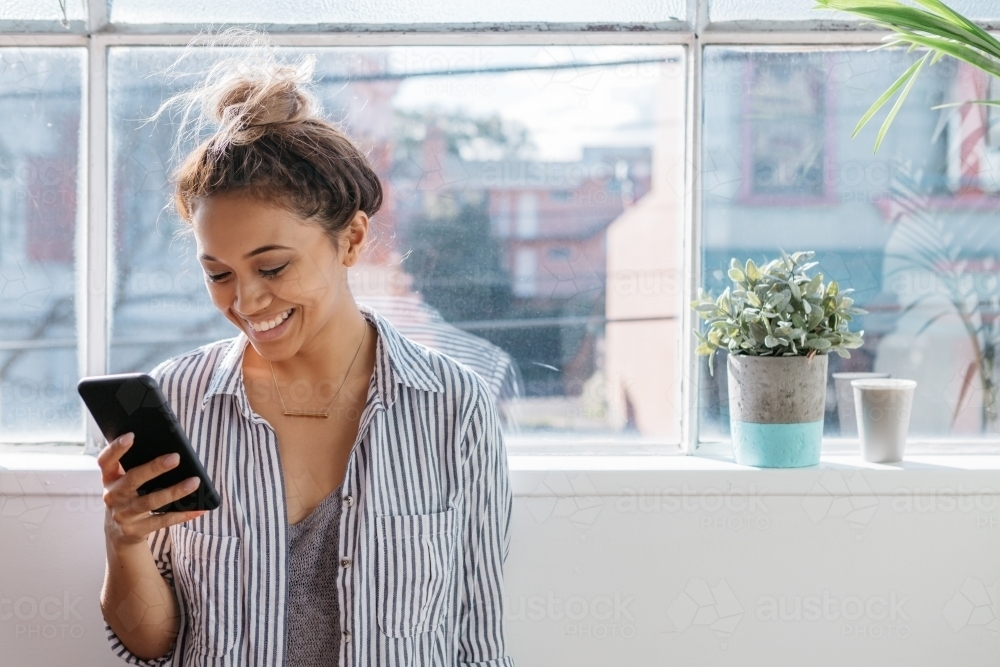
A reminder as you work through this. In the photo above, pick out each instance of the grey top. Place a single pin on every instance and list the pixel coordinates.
(313, 625)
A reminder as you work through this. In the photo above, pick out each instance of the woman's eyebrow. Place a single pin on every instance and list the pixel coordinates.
(263, 248)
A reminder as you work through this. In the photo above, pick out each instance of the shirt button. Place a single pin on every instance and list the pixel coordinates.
(348, 500)
(347, 636)
(345, 562)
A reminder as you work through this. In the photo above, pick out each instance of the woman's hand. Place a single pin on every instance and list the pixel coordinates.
(128, 520)
(150, 629)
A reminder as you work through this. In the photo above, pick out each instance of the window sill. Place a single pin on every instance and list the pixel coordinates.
(960, 468)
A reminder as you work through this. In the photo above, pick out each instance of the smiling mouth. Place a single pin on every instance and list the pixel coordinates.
(261, 327)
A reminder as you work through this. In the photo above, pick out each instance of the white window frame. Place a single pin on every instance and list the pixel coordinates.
(694, 34)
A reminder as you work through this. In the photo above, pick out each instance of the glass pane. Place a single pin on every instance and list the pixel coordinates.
(912, 229)
(533, 191)
(425, 12)
(27, 14)
(40, 185)
(797, 10)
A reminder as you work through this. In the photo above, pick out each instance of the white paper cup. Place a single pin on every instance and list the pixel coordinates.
(846, 414)
(883, 407)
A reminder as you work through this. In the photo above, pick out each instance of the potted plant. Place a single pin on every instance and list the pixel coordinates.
(779, 324)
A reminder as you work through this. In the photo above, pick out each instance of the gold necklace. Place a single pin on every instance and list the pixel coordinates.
(325, 413)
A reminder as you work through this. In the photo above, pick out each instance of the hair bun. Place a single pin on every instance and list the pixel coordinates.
(249, 103)
(245, 94)
(246, 97)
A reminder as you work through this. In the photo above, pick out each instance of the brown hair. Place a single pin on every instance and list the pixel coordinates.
(271, 143)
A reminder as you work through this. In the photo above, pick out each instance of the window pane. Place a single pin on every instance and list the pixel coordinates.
(40, 185)
(797, 10)
(535, 193)
(425, 12)
(18, 15)
(913, 229)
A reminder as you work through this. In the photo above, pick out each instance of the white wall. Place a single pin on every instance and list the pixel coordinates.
(631, 562)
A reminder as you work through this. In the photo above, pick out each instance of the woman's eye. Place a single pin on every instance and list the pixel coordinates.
(267, 273)
(271, 273)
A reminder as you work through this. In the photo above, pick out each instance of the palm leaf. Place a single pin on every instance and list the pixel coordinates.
(907, 75)
(955, 50)
(947, 12)
(894, 15)
(899, 103)
(915, 20)
(934, 27)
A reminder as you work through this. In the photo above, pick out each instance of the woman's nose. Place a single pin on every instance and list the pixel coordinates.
(251, 296)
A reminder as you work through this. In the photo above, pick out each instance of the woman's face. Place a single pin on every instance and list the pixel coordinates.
(262, 263)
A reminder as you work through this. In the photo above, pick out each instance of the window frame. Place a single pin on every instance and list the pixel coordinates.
(694, 33)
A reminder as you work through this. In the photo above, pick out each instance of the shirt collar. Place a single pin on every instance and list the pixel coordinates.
(398, 360)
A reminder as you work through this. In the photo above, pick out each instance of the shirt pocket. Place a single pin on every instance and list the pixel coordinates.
(207, 568)
(414, 566)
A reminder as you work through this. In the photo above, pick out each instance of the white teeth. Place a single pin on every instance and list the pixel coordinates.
(264, 326)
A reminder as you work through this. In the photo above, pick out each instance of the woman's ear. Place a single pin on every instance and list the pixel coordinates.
(355, 236)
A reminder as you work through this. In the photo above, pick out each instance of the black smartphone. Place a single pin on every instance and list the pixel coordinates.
(134, 402)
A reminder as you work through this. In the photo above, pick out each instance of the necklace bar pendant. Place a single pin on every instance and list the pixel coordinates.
(303, 413)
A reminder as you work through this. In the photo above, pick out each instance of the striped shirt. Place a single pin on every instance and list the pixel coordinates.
(424, 529)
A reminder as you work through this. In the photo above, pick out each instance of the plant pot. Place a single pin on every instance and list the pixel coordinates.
(776, 407)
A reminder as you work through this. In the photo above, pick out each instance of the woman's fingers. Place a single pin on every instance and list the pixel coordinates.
(155, 522)
(129, 519)
(121, 496)
(141, 474)
(136, 528)
(109, 457)
(161, 497)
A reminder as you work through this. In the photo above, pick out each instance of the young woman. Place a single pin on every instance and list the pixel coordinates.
(365, 496)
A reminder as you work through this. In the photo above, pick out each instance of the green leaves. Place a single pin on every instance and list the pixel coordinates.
(777, 310)
(907, 76)
(817, 343)
(933, 27)
(899, 100)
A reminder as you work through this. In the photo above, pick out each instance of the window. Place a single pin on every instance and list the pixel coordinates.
(911, 229)
(469, 161)
(359, 12)
(546, 164)
(41, 160)
(727, 11)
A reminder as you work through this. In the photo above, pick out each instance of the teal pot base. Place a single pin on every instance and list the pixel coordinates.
(777, 445)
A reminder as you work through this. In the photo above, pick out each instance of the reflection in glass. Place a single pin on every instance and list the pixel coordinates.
(912, 228)
(40, 180)
(531, 226)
